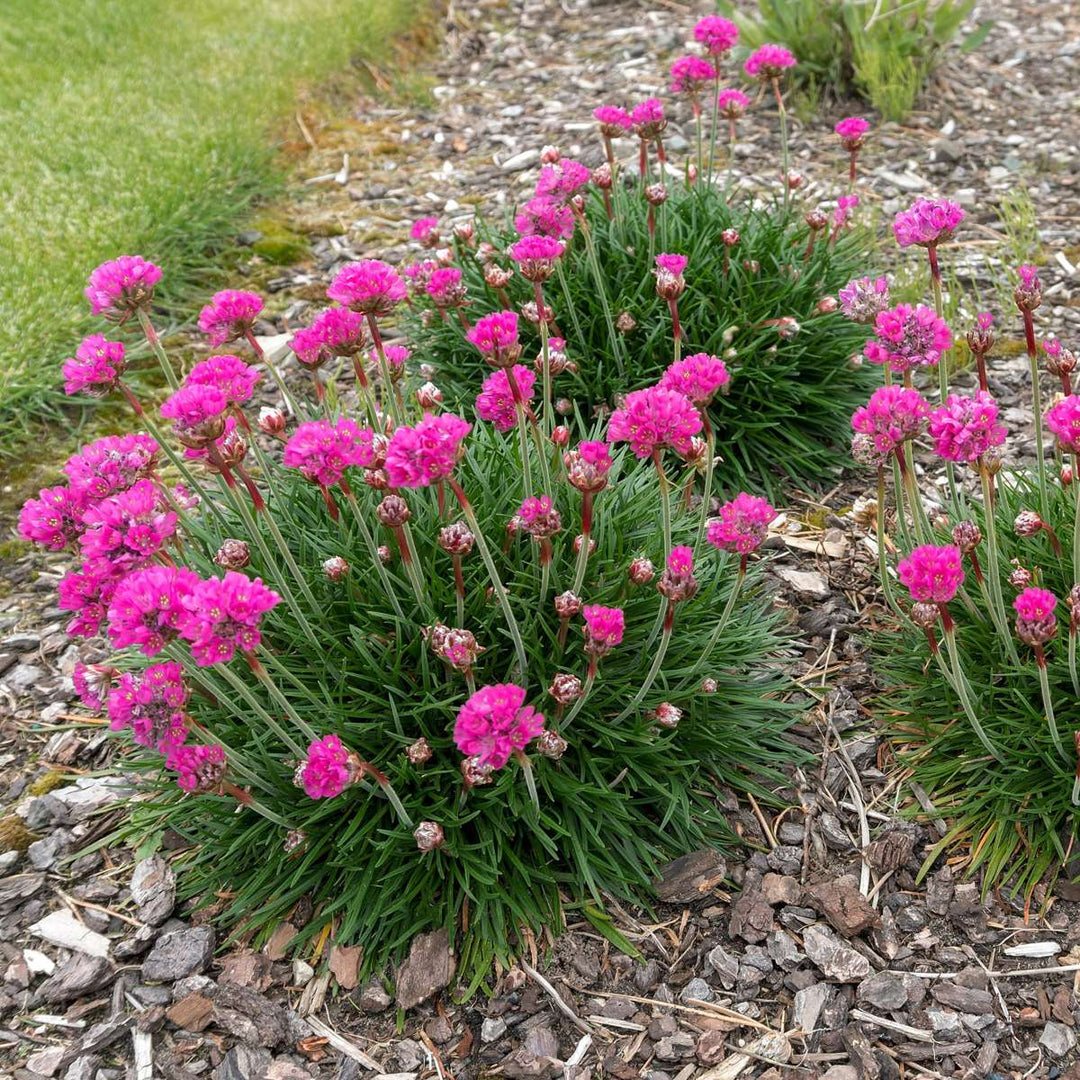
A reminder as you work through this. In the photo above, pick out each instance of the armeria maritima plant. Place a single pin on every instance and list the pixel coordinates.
(988, 589)
(413, 666)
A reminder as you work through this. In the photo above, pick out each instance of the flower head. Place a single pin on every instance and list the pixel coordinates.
(742, 525)
(669, 276)
(495, 402)
(536, 255)
(151, 704)
(677, 582)
(561, 179)
(927, 222)
(54, 519)
(230, 315)
(224, 615)
(445, 287)
(149, 607)
(1036, 622)
(323, 451)
(891, 416)
(97, 366)
(128, 527)
(115, 289)
(653, 418)
(1063, 419)
(335, 332)
(494, 723)
(697, 377)
(716, 33)
(932, 574)
(426, 230)
(371, 287)
(844, 205)
(908, 337)
(197, 412)
(199, 768)
(545, 216)
(604, 628)
(327, 771)
(111, 465)
(863, 299)
(613, 121)
(235, 379)
(496, 336)
(768, 62)
(539, 517)
(648, 118)
(86, 592)
(966, 427)
(588, 466)
(732, 104)
(420, 455)
(851, 131)
(691, 75)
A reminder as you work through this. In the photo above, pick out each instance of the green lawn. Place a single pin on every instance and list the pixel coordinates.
(140, 127)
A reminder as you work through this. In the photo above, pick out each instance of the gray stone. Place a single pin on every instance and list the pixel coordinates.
(791, 832)
(244, 1062)
(373, 998)
(492, 1029)
(20, 643)
(945, 1023)
(885, 990)
(964, 999)
(1057, 1039)
(837, 960)
(46, 1062)
(911, 918)
(45, 854)
(182, 952)
(725, 965)
(675, 1047)
(697, 989)
(809, 1003)
(83, 1068)
(153, 888)
(8, 861)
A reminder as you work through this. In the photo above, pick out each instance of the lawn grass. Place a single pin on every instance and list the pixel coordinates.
(141, 127)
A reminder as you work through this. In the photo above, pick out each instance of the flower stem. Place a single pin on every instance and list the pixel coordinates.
(586, 532)
(706, 498)
(579, 335)
(713, 133)
(658, 659)
(530, 780)
(157, 348)
(1033, 363)
(372, 547)
(997, 609)
(274, 690)
(389, 400)
(665, 502)
(722, 622)
(601, 290)
(960, 684)
(883, 563)
(783, 143)
(276, 375)
(1072, 662)
(244, 691)
(1048, 704)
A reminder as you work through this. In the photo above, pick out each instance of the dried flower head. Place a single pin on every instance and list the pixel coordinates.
(863, 299)
(967, 536)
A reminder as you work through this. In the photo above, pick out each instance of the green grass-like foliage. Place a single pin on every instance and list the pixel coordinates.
(1015, 816)
(790, 400)
(623, 798)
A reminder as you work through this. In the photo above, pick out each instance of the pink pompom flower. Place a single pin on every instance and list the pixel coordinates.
(966, 427)
(716, 33)
(323, 451)
(53, 520)
(562, 179)
(426, 230)
(371, 287)
(927, 222)
(908, 337)
(545, 216)
(691, 75)
(1063, 419)
(863, 299)
(768, 62)
(149, 607)
(328, 770)
(539, 518)
(445, 287)
(230, 315)
(129, 527)
(335, 332)
(229, 374)
(648, 119)
(151, 704)
(732, 104)
(697, 377)
(111, 465)
(670, 283)
(932, 573)
(1033, 605)
(96, 368)
(225, 614)
(653, 418)
(117, 288)
(496, 336)
(200, 769)
(418, 456)
(494, 723)
(197, 412)
(742, 524)
(893, 415)
(844, 205)
(588, 466)
(851, 130)
(604, 628)
(87, 592)
(536, 255)
(613, 121)
(495, 402)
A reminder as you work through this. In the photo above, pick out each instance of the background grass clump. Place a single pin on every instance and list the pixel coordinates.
(141, 128)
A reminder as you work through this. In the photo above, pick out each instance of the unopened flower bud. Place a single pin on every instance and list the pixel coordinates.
(376, 478)
(787, 327)
(419, 752)
(730, 237)
(751, 266)
(456, 539)
(272, 421)
(816, 219)
(656, 194)
(794, 181)
(294, 841)
(496, 276)
(1066, 475)
(625, 322)
(474, 774)
(551, 744)
(601, 176)
(385, 554)
(393, 511)
(429, 396)
(445, 256)
(967, 536)
(709, 686)
(427, 371)
(980, 337)
(691, 174)
(925, 614)
(463, 230)
(827, 305)
(565, 688)
(1020, 578)
(1027, 523)
(564, 406)
(560, 435)
(641, 571)
(233, 554)
(667, 715)
(568, 604)
(579, 540)
(550, 155)
(428, 836)
(335, 567)
(992, 461)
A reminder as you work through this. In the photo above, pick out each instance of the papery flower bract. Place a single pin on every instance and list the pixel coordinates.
(716, 33)
(323, 451)
(54, 519)
(742, 524)
(732, 104)
(908, 337)
(768, 62)
(224, 615)
(199, 768)
(539, 517)
(892, 415)
(229, 374)
(495, 402)
(1063, 419)
(932, 573)
(230, 315)
(149, 607)
(653, 418)
(966, 427)
(494, 723)
(97, 366)
(697, 377)
(863, 299)
(613, 120)
(327, 771)
(128, 527)
(111, 465)
(691, 75)
(588, 466)
(372, 287)
(334, 332)
(121, 286)
(418, 456)
(927, 222)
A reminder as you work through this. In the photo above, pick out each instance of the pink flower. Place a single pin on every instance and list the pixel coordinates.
(323, 451)
(495, 334)
(92, 682)
(1029, 277)
(495, 402)
(200, 769)
(932, 574)
(111, 465)
(672, 264)
(117, 288)
(327, 771)
(844, 205)
(420, 455)
(371, 287)
(851, 131)
(927, 222)
(1063, 419)
(54, 519)
(562, 179)
(648, 118)
(588, 466)
(717, 34)
(604, 628)
(335, 332)
(494, 723)
(768, 62)
(97, 366)
(230, 315)
(1035, 605)
(908, 337)
(396, 355)
(149, 607)
(732, 103)
(681, 560)
(613, 120)
(225, 615)
(742, 525)
(426, 230)
(966, 427)
(691, 75)
(542, 216)
(891, 416)
(863, 299)
(697, 377)
(151, 704)
(539, 517)
(445, 288)
(235, 379)
(87, 593)
(196, 411)
(653, 418)
(536, 255)
(128, 527)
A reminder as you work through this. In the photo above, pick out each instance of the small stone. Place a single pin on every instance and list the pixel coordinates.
(302, 973)
(807, 583)
(81, 974)
(809, 1003)
(690, 877)
(647, 975)
(945, 1023)
(911, 918)
(725, 965)
(186, 951)
(837, 960)
(885, 990)
(84, 1067)
(1057, 1039)
(373, 998)
(153, 888)
(791, 832)
(778, 889)
(843, 905)
(833, 833)
(697, 990)
(751, 916)
(46, 1062)
(492, 1029)
(710, 1047)
(783, 951)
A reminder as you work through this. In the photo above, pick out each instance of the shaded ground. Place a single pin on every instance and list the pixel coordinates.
(816, 946)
